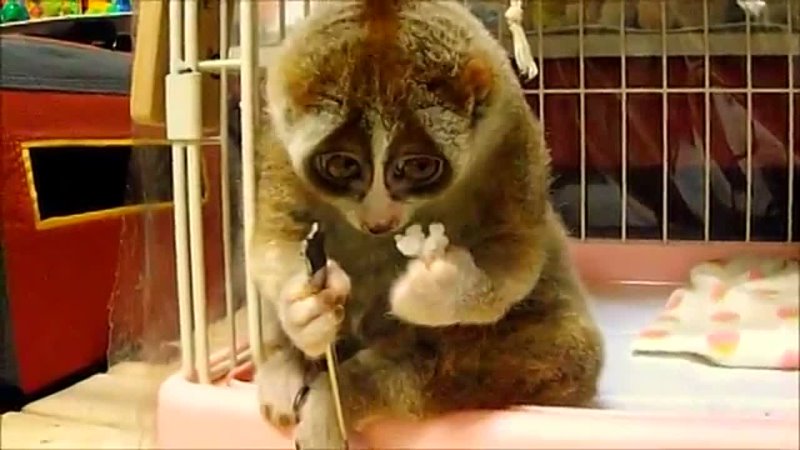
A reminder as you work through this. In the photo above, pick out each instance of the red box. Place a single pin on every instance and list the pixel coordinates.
(73, 239)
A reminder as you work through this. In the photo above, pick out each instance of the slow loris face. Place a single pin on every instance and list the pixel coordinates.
(376, 177)
(380, 113)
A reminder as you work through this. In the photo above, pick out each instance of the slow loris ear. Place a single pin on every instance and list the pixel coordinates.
(476, 80)
(468, 89)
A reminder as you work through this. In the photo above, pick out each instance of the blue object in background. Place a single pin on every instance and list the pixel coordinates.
(120, 6)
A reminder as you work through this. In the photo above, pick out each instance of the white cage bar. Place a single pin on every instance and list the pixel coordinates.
(791, 40)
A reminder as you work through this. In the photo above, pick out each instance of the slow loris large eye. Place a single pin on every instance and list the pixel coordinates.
(338, 167)
(418, 169)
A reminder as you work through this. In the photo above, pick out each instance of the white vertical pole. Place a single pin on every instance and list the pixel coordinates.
(623, 40)
(193, 166)
(791, 44)
(179, 207)
(664, 127)
(706, 125)
(748, 225)
(225, 179)
(248, 82)
(582, 106)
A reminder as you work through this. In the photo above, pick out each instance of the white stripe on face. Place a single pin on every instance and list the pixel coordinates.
(307, 134)
(377, 210)
(380, 146)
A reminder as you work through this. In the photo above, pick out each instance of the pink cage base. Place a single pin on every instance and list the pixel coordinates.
(226, 415)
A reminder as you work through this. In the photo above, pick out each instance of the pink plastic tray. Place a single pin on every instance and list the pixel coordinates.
(644, 402)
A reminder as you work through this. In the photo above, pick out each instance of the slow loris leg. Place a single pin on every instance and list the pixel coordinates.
(297, 323)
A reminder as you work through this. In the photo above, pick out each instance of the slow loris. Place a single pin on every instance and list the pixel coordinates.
(383, 114)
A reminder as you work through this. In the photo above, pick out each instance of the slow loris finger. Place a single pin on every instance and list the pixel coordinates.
(303, 312)
(337, 282)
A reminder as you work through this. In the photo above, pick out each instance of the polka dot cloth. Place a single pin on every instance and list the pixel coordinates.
(737, 313)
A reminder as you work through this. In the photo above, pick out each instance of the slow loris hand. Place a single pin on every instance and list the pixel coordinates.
(440, 290)
(311, 317)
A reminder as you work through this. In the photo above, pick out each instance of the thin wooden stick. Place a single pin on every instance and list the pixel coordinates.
(314, 252)
(330, 356)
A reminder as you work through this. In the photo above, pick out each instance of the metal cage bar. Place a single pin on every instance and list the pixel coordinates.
(540, 61)
(181, 227)
(706, 127)
(664, 125)
(247, 77)
(748, 208)
(540, 56)
(790, 157)
(225, 177)
(623, 74)
(582, 118)
(191, 55)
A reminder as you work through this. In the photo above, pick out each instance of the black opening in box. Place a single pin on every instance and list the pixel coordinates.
(79, 179)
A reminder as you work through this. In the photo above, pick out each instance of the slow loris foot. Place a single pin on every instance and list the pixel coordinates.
(318, 428)
(279, 378)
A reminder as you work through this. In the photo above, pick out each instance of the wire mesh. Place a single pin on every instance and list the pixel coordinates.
(709, 72)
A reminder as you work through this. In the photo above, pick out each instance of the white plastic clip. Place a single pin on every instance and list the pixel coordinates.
(184, 106)
(522, 50)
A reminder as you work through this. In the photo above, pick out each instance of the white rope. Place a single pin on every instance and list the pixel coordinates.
(752, 7)
(522, 50)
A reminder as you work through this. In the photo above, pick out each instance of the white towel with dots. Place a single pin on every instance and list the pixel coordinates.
(737, 313)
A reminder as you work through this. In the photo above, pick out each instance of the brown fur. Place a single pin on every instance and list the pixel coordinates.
(380, 72)
(381, 21)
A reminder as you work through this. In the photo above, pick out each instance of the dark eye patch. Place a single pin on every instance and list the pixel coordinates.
(419, 170)
(415, 166)
(341, 165)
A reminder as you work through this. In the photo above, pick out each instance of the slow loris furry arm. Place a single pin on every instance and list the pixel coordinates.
(383, 114)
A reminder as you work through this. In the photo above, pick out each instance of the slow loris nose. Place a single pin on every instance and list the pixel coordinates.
(379, 214)
(380, 227)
